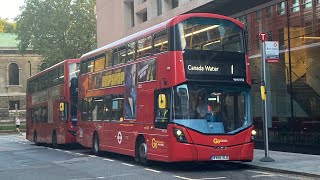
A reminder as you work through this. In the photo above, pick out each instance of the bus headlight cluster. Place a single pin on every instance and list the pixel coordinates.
(253, 134)
(178, 133)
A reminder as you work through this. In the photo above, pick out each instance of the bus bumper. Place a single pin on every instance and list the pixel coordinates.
(190, 152)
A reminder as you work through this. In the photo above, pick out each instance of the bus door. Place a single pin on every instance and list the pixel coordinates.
(145, 107)
(62, 119)
(161, 117)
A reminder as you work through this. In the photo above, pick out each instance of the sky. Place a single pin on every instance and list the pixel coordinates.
(10, 8)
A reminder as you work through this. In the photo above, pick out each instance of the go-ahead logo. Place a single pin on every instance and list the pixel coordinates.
(218, 141)
(156, 143)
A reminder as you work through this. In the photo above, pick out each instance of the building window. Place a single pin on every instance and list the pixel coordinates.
(307, 4)
(281, 8)
(43, 66)
(243, 19)
(258, 15)
(143, 16)
(12, 105)
(269, 12)
(258, 42)
(175, 3)
(13, 74)
(281, 38)
(269, 36)
(132, 14)
(295, 6)
(159, 7)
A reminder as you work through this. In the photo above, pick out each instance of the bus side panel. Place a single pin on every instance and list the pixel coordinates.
(107, 136)
(85, 133)
(177, 67)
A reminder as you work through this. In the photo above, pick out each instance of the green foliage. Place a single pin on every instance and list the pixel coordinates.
(57, 29)
(6, 26)
(10, 127)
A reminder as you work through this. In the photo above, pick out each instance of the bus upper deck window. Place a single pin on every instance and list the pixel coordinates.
(161, 41)
(131, 51)
(119, 55)
(144, 47)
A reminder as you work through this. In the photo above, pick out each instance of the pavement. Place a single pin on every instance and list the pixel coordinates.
(292, 163)
(284, 162)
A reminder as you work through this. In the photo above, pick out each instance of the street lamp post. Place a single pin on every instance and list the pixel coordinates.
(29, 68)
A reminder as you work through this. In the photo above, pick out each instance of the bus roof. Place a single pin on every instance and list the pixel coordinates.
(52, 67)
(168, 23)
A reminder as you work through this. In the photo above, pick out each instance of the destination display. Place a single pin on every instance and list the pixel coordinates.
(215, 67)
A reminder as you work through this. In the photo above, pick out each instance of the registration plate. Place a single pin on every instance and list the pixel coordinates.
(219, 158)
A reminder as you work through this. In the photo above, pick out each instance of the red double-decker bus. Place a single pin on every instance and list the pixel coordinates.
(177, 91)
(52, 97)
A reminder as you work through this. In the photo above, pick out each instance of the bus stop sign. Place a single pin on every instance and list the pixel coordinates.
(262, 36)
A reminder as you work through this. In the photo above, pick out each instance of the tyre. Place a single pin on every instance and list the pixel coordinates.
(35, 138)
(141, 152)
(95, 144)
(54, 140)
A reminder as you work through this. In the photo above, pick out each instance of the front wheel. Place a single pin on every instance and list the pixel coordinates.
(95, 145)
(35, 138)
(141, 152)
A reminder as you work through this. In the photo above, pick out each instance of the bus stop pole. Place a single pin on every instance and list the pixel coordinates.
(266, 158)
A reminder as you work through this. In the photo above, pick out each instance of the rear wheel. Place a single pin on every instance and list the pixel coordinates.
(141, 152)
(35, 138)
(54, 140)
(95, 144)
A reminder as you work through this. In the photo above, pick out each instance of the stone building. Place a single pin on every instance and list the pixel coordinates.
(14, 72)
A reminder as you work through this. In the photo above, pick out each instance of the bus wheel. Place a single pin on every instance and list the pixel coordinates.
(54, 140)
(35, 138)
(95, 144)
(141, 152)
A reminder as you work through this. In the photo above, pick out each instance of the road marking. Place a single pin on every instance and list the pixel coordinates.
(58, 149)
(101, 177)
(180, 177)
(79, 154)
(290, 177)
(260, 172)
(106, 159)
(68, 152)
(127, 164)
(152, 170)
(264, 175)
(92, 156)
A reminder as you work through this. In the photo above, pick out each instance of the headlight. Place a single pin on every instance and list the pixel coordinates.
(178, 133)
(253, 132)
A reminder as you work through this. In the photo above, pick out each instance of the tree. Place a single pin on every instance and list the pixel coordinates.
(6, 26)
(57, 29)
